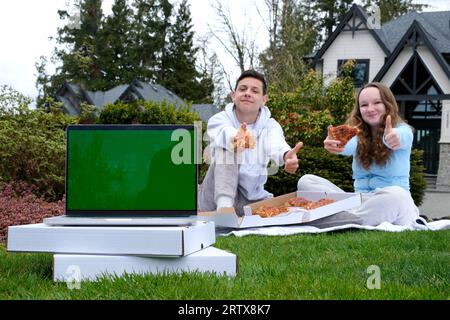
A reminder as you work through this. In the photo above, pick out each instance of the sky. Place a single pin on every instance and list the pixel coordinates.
(26, 25)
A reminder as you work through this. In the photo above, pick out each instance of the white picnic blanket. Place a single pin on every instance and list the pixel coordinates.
(419, 224)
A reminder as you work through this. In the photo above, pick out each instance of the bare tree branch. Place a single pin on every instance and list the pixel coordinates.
(208, 63)
(273, 9)
(238, 45)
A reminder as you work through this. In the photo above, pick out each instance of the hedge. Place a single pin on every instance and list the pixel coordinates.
(32, 148)
(147, 112)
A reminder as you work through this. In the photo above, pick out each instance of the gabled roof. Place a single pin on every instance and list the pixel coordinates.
(102, 98)
(432, 27)
(359, 12)
(436, 26)
(76, 91)
(138, 90)
(70, 108)
(205, 111)
(156, 92)
(429, 40)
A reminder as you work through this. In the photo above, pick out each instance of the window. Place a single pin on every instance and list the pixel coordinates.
(360, 73)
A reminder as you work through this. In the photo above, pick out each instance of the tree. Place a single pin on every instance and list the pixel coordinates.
(116, 45)
(166, 9)
(331, 12)
(136, 42)
(239, 45)
(151, 26)
(181, 75)
(81, 62)
(211, 75)
(273, 9)
(76, 53)
(11, 100)
(43, 79)
(296, 36)
(390, 9)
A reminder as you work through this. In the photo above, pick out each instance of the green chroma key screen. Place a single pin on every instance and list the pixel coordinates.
(131, 170)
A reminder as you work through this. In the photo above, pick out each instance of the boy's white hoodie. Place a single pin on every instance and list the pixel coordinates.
(270, 145)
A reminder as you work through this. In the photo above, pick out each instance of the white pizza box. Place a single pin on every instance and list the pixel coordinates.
(117, 240)
(73, 268)
(227, 217)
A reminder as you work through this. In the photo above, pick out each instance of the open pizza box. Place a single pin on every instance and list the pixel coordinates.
(227, 217)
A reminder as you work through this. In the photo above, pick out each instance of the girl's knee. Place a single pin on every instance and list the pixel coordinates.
(394, 192)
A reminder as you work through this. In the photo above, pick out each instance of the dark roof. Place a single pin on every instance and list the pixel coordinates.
(138, 90)
(70, 108)
(435, 24)
(415, 27)
(102, 98)
(156, 92)
(205, 111)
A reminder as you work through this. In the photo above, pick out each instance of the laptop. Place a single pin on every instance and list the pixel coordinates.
(130, 175)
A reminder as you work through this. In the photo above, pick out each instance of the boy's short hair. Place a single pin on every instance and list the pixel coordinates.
(253, 74)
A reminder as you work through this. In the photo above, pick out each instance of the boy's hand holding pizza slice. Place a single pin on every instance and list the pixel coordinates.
(243, 139)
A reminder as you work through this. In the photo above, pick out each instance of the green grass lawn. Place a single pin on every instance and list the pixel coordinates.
(413, 265)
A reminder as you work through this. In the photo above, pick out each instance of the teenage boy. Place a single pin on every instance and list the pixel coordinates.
(243, 140)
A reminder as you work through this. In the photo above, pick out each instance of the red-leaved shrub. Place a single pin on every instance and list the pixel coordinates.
(19, 205)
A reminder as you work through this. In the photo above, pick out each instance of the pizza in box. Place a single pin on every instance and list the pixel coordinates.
(293, 203)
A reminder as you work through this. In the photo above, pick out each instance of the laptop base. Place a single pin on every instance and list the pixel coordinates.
(111, 221)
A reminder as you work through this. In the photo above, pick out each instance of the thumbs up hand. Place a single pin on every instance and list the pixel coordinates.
(291, 160)
(390, 136)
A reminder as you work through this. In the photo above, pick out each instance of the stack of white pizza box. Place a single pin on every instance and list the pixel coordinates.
(90, 252)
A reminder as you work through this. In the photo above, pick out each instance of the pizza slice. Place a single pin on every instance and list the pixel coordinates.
(267, 212)
(243, 139)
(308, 205)
(320, 203)
(342, 133)
(298, 202)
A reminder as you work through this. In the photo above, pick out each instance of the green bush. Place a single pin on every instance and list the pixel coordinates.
(340, 94)
(32, 146)
(147, 112)
(311, 95)
(118, 113)
(339, 99)
(310, 128)
(307, 97)
(417, 181)
(306, 113)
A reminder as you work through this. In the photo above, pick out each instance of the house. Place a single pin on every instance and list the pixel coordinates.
(411, 55)
(72, 95)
